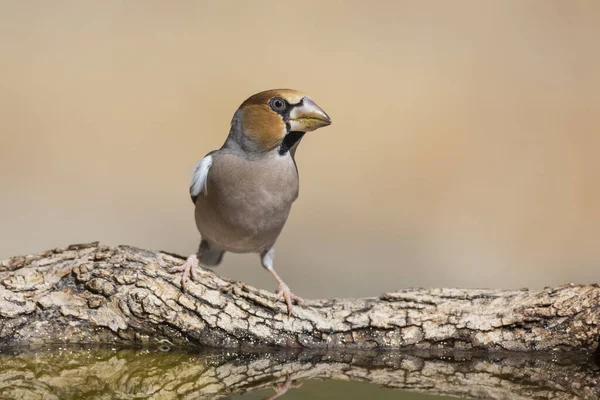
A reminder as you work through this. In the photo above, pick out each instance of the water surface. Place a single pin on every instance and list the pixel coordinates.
(165, 373)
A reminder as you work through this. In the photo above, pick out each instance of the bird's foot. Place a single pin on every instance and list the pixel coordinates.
(284, 291)
(280, 390)
(188, 270)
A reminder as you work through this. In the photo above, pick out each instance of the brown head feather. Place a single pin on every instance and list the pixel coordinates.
(290, 95)
(260, 123)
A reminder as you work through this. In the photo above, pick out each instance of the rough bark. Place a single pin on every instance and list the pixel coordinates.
(68, 373)
(98, 294)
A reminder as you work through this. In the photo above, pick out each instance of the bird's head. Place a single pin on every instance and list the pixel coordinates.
(279, 118)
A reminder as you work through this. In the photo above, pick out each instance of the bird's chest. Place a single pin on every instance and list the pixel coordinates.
(263, 186)
(248, 201)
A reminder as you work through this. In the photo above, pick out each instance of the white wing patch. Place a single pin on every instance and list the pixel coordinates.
(200, 178)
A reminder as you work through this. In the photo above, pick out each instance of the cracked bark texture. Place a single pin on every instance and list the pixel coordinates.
(91, 293)
(101, 373)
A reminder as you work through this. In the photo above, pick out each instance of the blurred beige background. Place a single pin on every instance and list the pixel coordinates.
(464, 148)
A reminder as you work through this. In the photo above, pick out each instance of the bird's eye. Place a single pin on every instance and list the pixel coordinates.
(277, 104)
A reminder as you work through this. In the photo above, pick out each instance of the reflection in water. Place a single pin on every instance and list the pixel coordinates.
(280, 390)
(108, 373)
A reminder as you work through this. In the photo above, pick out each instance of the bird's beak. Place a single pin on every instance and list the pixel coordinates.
(307, 117)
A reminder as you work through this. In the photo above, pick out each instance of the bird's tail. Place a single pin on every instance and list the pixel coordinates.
(211, 257)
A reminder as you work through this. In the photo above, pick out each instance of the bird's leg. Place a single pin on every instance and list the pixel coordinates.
(283, 289)
(189, 268)
(280, 390)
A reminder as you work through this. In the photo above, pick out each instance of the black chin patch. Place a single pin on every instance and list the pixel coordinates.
(289, 141)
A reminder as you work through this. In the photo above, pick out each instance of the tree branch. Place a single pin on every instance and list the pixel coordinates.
(98, 294)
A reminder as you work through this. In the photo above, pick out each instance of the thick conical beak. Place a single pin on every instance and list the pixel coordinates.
(307, 117)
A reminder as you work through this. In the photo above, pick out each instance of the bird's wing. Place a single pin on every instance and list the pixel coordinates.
(198, 185)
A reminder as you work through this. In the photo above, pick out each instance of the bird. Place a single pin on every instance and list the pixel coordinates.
(243, 192)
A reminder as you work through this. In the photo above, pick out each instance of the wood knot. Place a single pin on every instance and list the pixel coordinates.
(82, 272)
(95, 301)
(81, 246)
(101, 286)
(13, 263)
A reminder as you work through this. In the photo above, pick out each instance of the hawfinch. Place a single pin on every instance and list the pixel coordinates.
(244, 191)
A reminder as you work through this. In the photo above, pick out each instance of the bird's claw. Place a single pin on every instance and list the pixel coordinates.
(188, 270)
(284, 292)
